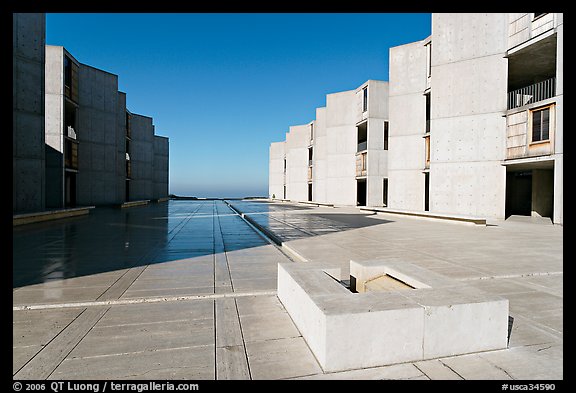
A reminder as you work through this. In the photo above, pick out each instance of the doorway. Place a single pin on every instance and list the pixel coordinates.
(361, 192)
(69, 189)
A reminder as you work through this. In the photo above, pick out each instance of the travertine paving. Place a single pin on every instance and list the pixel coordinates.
(186, 290)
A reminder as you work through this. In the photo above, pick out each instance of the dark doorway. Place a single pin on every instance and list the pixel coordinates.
(69, 189)
(519, 193)
(310, 192)
(385, 192)
(426, 191)
(361, 192)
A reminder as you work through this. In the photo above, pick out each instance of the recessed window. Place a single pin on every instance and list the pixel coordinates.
(429, 60)
(541, 124)
(385, 135)
(428, 111)
(365, 99)
(539, 14)
(385, 192)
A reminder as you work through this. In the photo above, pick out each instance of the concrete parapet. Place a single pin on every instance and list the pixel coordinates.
(134, 203)
(436, 317)
(427, 214)
(29, 218)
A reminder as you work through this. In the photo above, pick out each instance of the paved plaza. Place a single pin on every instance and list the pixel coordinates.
(187, 290)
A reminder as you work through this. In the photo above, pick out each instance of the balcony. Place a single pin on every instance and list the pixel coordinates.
(531, 94)
(361, 164)
(71, 133)
(362, 146)
(71, 155)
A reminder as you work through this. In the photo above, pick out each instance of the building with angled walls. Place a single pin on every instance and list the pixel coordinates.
(476, 117)
(470, 123)
(101, 153)
(341, 156)
(74, 141)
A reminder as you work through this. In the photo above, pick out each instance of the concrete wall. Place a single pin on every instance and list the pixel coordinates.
(161, 156)
(297, 142)
(467, 125)
(121, 148)
(341, 143)
(320, 168)
(377, 157)
(99, 132)
(28, 58)
(558, 216)
(276, 170)
(407, 109)
(142, 157)
(54, 125)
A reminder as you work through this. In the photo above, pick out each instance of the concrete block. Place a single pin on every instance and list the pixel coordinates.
(344, 330)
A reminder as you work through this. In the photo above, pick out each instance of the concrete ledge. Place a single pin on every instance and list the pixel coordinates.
(160, 200)
(317, 204)
(345, 330)
(134, 203)
(441, 216)
(29, 218)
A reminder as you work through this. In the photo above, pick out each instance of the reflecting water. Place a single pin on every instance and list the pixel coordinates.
(110, 239)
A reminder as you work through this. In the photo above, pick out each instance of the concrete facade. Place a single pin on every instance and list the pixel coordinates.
(277, 179)
(28, 59)
(61, 112)
(472, 116)
(324, 159)
(458, 146)
(466, 138)
(161, 165)
(341, 148)
(100, 139)
(72, 140)
(118, 159)
(407, 126)
(297, 162)
(142, 157)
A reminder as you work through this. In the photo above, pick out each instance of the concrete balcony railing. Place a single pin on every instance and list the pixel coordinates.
(70, 132)
(534, 93)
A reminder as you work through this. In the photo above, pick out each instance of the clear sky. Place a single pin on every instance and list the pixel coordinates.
(222, 87)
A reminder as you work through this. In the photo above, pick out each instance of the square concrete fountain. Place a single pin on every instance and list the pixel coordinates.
(393, 312)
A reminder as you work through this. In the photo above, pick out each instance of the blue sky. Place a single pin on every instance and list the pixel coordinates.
(222, 87)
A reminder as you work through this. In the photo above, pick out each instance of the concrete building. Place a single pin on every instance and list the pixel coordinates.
(277, 170)
(475, 117)
(97, 152)
(160, 167)
(472, 116)
(341, 156)
(28, 59)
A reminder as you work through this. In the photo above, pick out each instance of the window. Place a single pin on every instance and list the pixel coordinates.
(429, 60)
(385, 192)
(67, 71)
(310, 155)
(365, 99)
(541, 124)
(385, 135)
(311, 132)
(539, 14)
(428, 102)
